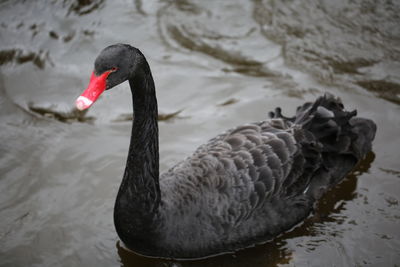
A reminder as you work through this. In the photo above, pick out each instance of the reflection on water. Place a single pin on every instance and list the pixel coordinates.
(74, 115)
(216, 64)
(341, 43)
(20, 57)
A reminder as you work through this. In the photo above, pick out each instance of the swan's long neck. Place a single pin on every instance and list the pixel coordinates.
(139, 194)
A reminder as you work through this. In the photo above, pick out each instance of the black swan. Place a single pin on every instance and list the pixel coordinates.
(241, 188)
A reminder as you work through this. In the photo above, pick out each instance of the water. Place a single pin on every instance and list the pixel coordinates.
(216, 64)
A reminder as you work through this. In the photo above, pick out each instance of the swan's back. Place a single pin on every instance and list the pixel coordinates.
(257, 180)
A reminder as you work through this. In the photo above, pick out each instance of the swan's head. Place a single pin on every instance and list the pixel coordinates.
(114, 65)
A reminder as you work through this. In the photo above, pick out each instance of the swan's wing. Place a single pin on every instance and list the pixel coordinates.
(237, 172)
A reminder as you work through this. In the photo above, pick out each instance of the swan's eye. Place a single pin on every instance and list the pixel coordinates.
(113, 69)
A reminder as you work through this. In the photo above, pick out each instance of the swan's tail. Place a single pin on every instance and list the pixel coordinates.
(341, 138)
(338, 131)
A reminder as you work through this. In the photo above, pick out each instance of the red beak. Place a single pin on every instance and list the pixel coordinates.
(96, 87)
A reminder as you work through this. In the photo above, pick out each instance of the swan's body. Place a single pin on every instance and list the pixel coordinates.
(243, 187)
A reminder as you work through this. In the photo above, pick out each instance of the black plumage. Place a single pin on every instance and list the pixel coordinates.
(243, 187)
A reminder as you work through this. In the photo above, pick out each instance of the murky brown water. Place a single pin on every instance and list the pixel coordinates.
(216, 64)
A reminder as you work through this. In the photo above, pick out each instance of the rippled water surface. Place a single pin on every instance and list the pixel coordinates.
(216, 64)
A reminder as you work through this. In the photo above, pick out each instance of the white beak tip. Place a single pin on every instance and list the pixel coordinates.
(83, 103)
